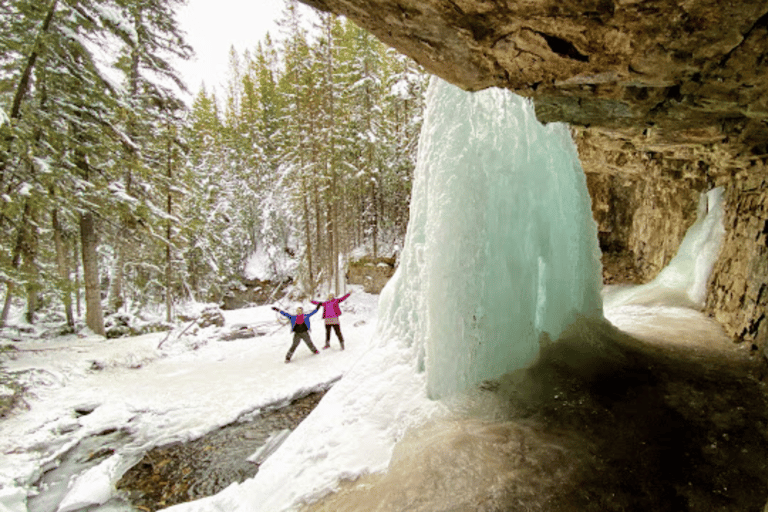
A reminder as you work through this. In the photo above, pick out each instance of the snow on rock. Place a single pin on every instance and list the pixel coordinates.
(13, 499)
(94, 487)
(272, 444)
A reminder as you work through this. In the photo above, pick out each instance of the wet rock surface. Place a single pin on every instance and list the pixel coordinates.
(620, 268)
(619, 425)
(188, 471)
(665, 430)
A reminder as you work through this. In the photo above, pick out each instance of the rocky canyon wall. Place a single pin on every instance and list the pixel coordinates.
(644, 201)
(738, 290)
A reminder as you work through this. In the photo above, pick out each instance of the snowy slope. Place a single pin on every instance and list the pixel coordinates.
(191, 386)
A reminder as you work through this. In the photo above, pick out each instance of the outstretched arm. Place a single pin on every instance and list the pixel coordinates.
(316, 303)
(345, 297)
(280, 311)
(315, 311)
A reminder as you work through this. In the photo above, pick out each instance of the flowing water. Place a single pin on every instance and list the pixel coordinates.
(188, 471)
(177, 473)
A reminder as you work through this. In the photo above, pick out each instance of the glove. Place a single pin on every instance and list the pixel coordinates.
(275, 309)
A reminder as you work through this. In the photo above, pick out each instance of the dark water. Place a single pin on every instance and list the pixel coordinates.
(188, 471)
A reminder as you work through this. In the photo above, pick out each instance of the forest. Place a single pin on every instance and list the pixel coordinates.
(118, 196)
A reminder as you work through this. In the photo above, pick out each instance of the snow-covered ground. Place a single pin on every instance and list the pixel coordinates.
(193, 384)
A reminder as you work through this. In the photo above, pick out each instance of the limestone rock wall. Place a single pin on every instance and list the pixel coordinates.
(641, 223)
(643, 203)
(666, 209)
(668, 71)
(738, 289)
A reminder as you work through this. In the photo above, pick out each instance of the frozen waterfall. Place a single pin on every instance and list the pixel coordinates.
(501, 245)
(683, 282)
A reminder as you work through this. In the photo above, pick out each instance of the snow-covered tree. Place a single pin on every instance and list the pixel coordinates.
(78, 117)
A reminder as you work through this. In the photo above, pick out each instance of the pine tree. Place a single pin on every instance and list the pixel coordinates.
(204, 136)
(68, 117)
(299, 124)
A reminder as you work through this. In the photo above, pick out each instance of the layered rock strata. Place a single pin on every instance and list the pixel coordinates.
(738, 289)
(673, 73)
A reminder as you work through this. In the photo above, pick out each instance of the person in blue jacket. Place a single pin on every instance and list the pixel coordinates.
(300, 327)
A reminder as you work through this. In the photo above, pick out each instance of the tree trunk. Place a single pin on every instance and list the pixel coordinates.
(65, 286)
(115, 298)
(319, 249)
(375, 221)
(29, 253)
(334, 217)
(116, 294)
(23, 85)
(308, 236)
(76, 263)
(9, 289)
(169, 231)
(94, 317)
(15, 262)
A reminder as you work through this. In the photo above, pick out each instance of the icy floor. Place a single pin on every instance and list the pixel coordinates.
(192, 385)
(665, 323)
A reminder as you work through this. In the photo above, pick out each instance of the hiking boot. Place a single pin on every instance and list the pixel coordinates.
(287, 360)
(316, 352)
(327, 346)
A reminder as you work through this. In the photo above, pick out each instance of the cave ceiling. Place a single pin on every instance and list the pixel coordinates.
(684, 78)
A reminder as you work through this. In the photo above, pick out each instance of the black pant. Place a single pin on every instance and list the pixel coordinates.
(337, 328)
(297, 338)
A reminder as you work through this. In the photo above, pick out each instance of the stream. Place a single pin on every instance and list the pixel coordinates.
(177, 473)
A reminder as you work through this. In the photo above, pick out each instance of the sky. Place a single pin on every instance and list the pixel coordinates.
(213, 26)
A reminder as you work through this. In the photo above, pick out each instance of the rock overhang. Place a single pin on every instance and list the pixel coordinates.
(676, 77)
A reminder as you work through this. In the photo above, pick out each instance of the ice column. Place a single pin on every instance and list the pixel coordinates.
(501, 244)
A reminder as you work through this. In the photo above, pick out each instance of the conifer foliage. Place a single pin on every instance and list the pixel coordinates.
(115, 195)
(314, 150)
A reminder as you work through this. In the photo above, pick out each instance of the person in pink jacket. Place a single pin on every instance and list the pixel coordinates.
(331, 314)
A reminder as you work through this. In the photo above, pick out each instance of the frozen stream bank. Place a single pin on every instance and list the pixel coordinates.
(188, 471)
(107, 403)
